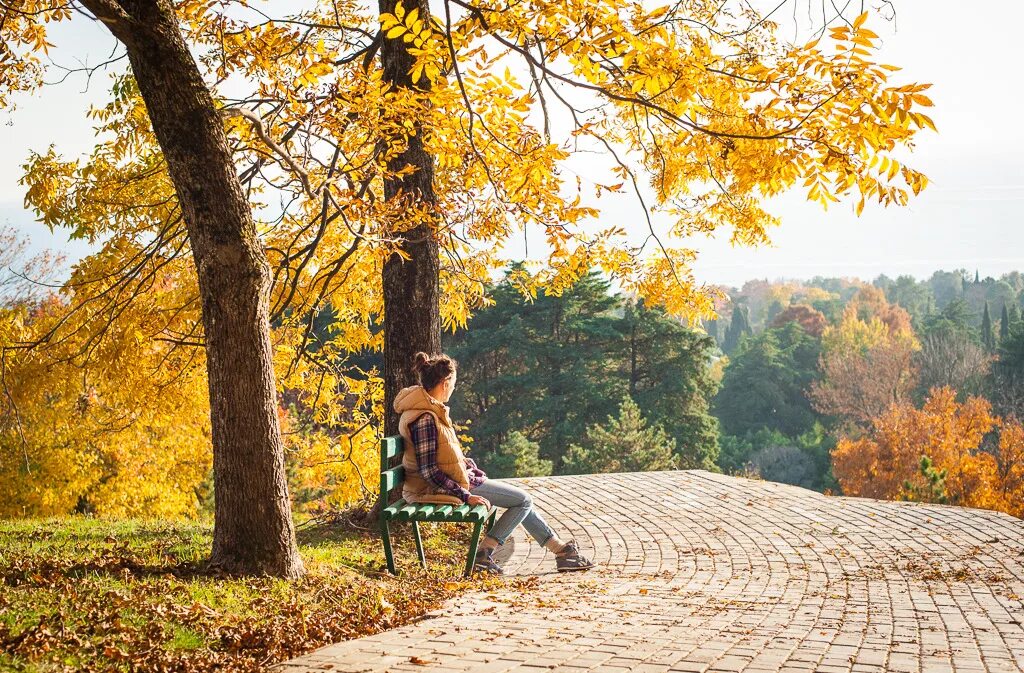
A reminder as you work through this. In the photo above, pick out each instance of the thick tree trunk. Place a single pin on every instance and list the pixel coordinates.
(412, 320)
(253, 530)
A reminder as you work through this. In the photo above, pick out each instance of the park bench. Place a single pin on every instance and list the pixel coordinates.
(391, 479)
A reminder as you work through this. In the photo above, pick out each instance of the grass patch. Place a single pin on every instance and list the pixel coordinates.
(92, 595)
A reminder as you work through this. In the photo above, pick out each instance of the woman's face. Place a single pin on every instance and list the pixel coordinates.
(449, 387)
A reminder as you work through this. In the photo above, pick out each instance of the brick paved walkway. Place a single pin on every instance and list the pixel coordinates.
(724, 574)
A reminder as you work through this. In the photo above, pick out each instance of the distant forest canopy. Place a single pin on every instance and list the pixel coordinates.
(834, 384)
(761, 301)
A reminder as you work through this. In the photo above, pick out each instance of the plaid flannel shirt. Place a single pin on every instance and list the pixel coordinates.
(424, 440)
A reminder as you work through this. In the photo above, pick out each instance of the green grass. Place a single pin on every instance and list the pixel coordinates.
(184, 638)
(95, 595)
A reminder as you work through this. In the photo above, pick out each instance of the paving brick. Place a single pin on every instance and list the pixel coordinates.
(701, 572)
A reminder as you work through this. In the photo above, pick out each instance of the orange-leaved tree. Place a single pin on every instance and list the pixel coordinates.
(955, 437)
(867, 362)
(371, 161)
(812, 320)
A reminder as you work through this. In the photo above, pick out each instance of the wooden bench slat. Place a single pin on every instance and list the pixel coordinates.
(391, 479)
(390, 447)
(424, 511)
(442, 513)
(391, 511)
(406, 513)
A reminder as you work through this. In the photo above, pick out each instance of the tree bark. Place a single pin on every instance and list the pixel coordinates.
(412, 318)
(253, 529)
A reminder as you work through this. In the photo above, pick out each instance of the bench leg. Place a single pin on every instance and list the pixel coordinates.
(419, 544)
(389, 555)
(490, 520)
(474, 541)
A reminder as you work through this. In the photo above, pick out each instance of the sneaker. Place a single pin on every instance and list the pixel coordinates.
(570, 559)
(484, 563)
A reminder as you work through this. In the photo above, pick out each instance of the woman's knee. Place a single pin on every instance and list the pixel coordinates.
(527, 502)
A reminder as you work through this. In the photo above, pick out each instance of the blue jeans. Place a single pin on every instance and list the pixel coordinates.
(518, 510)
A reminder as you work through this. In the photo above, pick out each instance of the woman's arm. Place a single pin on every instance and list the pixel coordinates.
(474, 471)
(424, 440)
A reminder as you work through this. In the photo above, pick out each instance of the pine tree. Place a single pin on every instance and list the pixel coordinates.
(623, 444)
(988, 336)
(518, 457)
(666, 366)
(934, 488)
(539, 364)
(1006, 379)
(1004, 324)
(554, 365)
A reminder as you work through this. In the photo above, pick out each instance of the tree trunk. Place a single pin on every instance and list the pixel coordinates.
(634, 319)
(412, 318)
(253, 529)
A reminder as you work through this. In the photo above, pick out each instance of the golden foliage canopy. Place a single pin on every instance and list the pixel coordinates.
(700, 110)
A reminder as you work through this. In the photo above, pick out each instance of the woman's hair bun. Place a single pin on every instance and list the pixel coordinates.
(419, 360)
(432, 370)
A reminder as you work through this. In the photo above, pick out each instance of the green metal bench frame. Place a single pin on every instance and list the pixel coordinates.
(391, 479)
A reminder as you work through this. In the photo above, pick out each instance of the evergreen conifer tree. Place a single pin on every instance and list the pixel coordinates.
(988, 336)
(517, 456)
(764, 385)
(623, 444)
(537, 363)
(739, 326)
(666, 366)
(711, 327)
(747, 330)
(934, 488)
(552, 366)
(1004, 324)
(741, 317)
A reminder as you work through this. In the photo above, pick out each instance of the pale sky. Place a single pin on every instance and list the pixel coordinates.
(972, 213)
(969, 217)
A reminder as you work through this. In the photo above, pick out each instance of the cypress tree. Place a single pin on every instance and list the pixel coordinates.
(711, 327)
(988, 337)
(745, 328)
(739, 326)
(1004, 324)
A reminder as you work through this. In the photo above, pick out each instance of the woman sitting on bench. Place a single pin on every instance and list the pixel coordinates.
(437, 472)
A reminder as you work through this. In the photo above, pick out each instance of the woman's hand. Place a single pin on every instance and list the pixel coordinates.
(478, 500)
